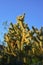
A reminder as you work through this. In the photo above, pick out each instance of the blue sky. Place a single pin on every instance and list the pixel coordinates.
(10, 9)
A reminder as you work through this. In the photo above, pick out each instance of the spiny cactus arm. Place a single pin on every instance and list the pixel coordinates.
(17, 29)
(20, 20)
(27, 41)
(35, 30)
(29, 34)
(6, 38)
(22, 40)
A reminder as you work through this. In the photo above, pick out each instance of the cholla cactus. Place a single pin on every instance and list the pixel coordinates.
(19, 36)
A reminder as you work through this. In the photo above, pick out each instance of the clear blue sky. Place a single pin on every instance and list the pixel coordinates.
(10, 9)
